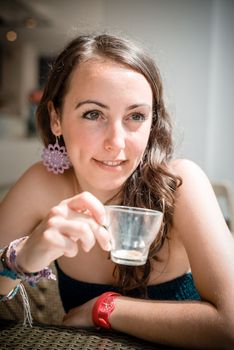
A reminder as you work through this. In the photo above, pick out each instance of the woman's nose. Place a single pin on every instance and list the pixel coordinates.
(115, 137)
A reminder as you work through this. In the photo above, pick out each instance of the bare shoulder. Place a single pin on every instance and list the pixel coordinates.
(34, 178)
(185, 167)
(39, 185)
(38, 175)
(198, 218)
(31, 198)
(194, 179)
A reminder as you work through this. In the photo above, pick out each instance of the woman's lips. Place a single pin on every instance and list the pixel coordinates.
(110, 164)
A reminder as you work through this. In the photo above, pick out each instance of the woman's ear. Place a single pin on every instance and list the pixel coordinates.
(55, 123)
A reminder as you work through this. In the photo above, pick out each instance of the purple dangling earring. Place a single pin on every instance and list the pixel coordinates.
(55, 158)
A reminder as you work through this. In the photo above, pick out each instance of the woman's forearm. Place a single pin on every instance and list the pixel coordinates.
(186, 324)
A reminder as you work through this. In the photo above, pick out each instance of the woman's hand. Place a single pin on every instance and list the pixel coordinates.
(80, 316)
(80, 218)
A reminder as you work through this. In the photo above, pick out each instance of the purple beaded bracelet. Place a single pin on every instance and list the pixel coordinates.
(13, 271)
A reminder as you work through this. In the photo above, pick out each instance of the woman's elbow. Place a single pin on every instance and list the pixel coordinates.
(227, 329)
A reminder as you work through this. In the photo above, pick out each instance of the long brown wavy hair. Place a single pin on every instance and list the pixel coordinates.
(153, 184)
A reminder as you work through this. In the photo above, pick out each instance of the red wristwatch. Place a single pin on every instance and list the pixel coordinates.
(102, 309)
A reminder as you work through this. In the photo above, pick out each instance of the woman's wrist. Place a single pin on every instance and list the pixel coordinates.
(12, 254)
(103, 308)
(6, 284)
(12, 270)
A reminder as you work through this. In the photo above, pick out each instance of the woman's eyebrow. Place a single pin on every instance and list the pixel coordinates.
(138, 105)
(81, 103)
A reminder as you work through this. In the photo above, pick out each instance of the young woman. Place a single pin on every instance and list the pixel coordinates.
(103, 105)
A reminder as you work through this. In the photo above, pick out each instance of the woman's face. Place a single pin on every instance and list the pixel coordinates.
(106, 120)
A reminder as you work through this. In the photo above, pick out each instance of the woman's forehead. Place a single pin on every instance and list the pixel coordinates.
(99, 71)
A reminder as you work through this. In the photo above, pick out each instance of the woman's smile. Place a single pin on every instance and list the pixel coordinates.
(110, 165)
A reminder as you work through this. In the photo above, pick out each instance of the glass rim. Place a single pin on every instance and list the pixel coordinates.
(136, 210)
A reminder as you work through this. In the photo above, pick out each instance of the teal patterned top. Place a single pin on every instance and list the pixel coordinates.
(74, 293)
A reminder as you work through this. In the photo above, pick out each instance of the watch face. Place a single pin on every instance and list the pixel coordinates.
(104, 311)
(106, 305)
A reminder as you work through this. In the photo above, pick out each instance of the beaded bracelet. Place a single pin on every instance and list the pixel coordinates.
(26, 305)
(10, 295)
(13, 271)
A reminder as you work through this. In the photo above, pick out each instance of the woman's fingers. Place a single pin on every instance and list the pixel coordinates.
(62, 245)
(40, 249)
(82, 227)
(75, 229)
(80, 316)
(103, 238)
(80, 218)
(76, 219)
(87, 203)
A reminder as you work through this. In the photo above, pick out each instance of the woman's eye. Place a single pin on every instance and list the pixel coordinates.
(91, 115)
(138, 117)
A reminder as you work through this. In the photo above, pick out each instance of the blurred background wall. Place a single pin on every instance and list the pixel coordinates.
(191, 40)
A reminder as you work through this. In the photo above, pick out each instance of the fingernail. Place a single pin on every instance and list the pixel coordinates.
(108, 246)
(103, 221)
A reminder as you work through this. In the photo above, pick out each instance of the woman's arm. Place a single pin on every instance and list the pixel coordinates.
(22, 208)
(38, 206)
(20, 212)
(210, 248)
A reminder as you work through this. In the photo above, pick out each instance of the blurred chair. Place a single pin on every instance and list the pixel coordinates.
(224, 193)
(45, 304)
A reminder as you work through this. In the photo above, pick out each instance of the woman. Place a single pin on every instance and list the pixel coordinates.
(108, 140)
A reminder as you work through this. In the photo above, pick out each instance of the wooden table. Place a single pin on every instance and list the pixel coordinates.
(15, 336)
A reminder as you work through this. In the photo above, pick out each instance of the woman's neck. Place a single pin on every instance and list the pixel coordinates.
(106, 197)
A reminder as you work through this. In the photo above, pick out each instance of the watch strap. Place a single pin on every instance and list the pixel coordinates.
(102, 309)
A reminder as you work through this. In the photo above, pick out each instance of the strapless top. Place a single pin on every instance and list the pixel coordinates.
(74, 293)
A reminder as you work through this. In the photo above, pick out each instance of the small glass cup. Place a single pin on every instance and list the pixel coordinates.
(132, 232)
